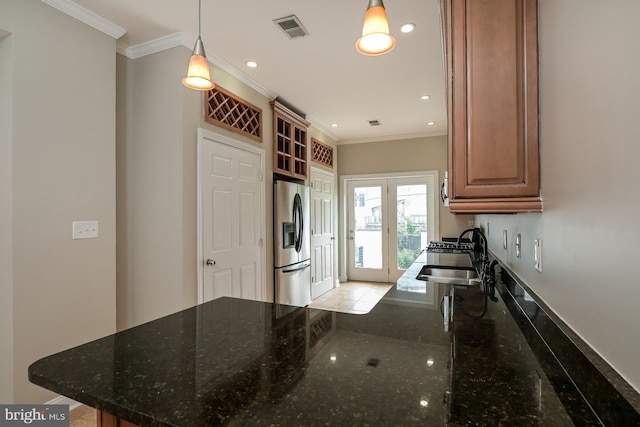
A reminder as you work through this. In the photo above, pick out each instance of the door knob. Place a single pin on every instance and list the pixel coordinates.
(211, 262)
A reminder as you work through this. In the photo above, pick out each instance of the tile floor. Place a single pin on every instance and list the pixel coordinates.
(83, 416)
(352, 297)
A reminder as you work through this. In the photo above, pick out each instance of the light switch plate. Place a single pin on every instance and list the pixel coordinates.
(84, 230)
(518, 245)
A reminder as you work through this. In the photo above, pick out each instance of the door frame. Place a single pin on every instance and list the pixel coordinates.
(222, 139)
(344, 179)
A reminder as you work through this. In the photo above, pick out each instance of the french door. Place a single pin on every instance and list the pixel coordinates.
(389, 221)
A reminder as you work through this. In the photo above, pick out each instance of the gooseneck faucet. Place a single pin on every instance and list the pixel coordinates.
(488, 269)
(476, 232)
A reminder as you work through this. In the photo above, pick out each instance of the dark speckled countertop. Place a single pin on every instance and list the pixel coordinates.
(237, 362)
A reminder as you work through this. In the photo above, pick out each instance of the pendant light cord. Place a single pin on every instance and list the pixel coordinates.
(199, 16)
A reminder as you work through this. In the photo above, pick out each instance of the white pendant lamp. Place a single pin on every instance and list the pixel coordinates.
(198, 76)
(375, 39)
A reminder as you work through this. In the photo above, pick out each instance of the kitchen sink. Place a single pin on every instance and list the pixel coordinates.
(457, 275)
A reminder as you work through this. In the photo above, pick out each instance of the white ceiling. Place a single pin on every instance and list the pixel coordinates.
(321, 74)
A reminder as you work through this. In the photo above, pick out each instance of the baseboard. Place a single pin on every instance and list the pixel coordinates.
(62, 400)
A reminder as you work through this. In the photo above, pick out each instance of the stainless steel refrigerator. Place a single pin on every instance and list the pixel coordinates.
(291, 244)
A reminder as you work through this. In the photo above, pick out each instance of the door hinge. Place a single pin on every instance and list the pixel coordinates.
(260, 242)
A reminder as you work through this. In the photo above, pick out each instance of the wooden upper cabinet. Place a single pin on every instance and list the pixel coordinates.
(289, 142)
(491, 51)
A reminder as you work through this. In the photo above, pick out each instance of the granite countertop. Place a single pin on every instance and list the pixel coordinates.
(239, 362)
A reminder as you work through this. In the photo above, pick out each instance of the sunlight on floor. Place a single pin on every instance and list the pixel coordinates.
(352, 297)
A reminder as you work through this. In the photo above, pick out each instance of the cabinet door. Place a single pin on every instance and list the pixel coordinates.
(289, 143)
(493, 105)
(299, 153)
(282, 145)
(107, 420)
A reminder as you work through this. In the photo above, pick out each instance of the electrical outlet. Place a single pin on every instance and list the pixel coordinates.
(537, 254)
(470, 223)
(518, 245)
(504, 239)
(84, 230)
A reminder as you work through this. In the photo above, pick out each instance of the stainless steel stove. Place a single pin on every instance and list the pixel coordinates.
(449, 247)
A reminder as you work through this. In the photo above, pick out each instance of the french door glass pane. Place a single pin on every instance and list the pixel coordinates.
(412, 223)
(368, 226)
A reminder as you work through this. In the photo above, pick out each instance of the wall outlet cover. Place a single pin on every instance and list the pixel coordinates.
(84, 230)
(537, 254)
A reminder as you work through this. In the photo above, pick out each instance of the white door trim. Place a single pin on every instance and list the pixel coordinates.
(344, 179)
(216, 137)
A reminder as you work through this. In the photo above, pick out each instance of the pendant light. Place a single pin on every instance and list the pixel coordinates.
(375, 39)
(198, 76)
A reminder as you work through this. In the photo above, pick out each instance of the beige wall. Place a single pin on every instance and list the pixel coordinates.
(420, 154)
(158, 120)
(62, 151)
(6, 223)
(589, 130)
(150, 200)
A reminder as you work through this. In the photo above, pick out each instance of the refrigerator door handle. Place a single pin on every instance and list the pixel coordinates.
(297, 219)
(296, 267)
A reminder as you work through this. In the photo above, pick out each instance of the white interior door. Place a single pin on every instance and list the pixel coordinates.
(232, 220)
(323, 224)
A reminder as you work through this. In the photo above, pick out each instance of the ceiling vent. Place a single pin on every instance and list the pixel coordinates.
(374, 122)
(292, 26)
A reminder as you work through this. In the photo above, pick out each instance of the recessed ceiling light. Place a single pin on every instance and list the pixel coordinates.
(407, 28)
(252, 64)
(425, 97)
(334, 125)
(431, 123)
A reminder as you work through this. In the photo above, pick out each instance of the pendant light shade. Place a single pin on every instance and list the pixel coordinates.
(375, 39)
(198, 75)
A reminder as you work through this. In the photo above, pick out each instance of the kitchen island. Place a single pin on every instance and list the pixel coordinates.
(240, 362)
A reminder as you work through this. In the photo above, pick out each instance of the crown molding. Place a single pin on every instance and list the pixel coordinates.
(151, 47)
(322, 129)
(84, 15)
(390, 138)
(227, 67)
